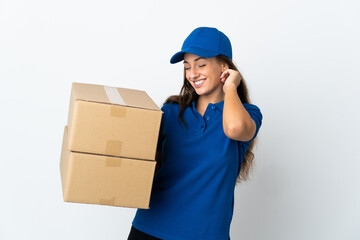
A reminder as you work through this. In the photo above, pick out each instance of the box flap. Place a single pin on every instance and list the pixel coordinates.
(113, 95)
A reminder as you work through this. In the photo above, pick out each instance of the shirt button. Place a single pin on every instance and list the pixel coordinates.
(202, 126)
(207, 118)
(212, 107)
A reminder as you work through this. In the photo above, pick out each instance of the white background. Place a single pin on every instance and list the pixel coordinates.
(299, 58)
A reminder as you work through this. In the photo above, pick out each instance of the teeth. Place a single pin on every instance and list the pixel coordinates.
(198, 82)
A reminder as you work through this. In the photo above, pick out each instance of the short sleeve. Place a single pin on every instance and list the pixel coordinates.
(256, 115)
(161, 130)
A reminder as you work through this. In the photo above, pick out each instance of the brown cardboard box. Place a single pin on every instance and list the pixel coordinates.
(99, 179)
(113, 121)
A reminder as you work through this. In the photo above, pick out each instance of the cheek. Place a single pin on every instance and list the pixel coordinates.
(216, 76)
(187, 79)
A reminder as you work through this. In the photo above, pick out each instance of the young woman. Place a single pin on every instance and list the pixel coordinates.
(205, 146)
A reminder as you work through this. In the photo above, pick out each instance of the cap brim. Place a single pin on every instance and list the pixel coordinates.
(179, 56)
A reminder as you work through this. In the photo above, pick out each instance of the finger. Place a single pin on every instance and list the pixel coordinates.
(225, 72)
(224, 75)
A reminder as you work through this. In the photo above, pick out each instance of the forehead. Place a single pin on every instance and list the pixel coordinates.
(189, 57)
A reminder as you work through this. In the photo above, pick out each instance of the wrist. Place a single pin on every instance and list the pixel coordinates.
(230, 87)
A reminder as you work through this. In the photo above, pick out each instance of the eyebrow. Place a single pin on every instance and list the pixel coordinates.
(196, 59)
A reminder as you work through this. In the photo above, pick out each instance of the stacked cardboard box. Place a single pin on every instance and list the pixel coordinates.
(109, 146)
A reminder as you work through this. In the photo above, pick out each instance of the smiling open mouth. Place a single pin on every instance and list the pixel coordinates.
(199, 83)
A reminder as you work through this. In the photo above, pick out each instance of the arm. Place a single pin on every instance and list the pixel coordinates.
(237, 123)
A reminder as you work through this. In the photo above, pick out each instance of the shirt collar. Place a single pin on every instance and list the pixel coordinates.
(219, 105)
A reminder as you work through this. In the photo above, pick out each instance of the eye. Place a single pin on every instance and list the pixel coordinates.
(202, 65)
(186, 68)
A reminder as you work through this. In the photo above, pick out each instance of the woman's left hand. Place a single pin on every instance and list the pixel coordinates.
(230, 77)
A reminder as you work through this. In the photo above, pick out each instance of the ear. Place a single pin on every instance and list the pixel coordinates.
(224, 66)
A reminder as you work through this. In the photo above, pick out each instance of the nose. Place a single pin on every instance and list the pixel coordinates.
(192, 73)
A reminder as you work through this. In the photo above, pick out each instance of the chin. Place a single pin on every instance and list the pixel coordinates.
(199, 92)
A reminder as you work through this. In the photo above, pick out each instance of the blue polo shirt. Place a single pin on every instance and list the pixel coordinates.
(193, 192)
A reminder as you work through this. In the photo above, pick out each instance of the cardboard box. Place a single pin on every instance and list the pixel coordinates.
(113, 121)
(99, 179)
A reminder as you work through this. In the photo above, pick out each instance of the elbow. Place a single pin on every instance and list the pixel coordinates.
(232, 131)
(238, 132)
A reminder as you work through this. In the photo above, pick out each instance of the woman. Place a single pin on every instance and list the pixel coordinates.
(207, 132)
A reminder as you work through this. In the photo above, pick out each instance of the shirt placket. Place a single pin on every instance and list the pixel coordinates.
(208, 116)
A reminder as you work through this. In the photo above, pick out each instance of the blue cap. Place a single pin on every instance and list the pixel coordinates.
(204, 42)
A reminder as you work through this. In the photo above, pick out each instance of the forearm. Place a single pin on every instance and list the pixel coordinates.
(237, 123)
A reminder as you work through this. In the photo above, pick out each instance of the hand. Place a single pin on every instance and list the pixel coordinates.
(230, 77)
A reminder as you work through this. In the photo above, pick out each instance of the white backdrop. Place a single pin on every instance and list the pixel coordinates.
(299, 58)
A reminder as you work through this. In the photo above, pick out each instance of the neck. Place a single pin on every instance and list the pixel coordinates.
(216, 97)
(204, 100)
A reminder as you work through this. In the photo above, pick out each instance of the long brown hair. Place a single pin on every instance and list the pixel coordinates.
(188, 94)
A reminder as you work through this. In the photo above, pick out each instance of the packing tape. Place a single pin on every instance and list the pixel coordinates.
(114, 95)
(112, 162)
(110, 201)
(117, 111)
(114, 147)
